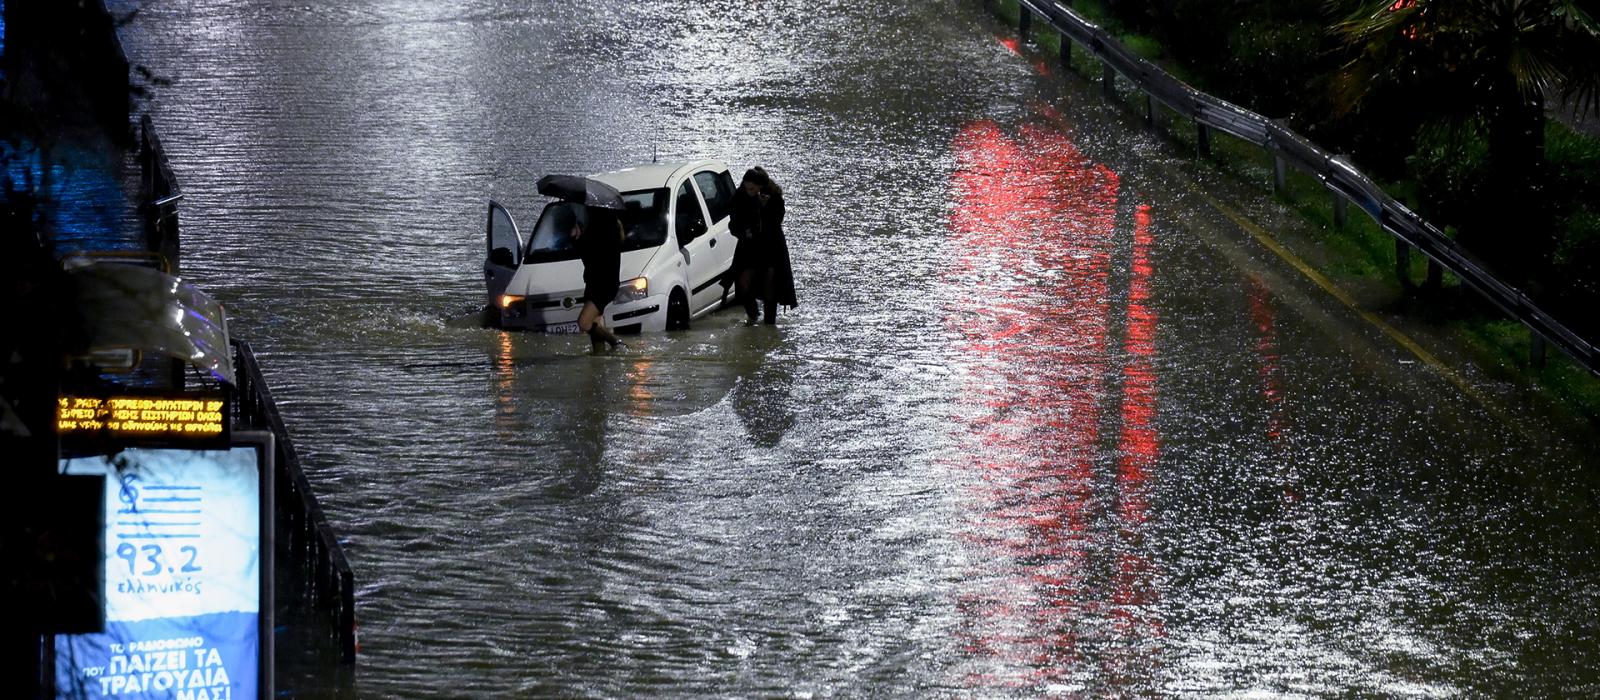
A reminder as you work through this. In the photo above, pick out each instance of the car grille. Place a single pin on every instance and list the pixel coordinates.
(556, 301)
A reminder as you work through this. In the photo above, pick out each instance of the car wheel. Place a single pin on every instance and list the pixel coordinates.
(678, 311)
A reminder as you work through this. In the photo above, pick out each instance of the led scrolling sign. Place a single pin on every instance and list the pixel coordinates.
(143, 419)
(187, 549)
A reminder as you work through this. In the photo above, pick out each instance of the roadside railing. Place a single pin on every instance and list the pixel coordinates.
(158, 196)
(1287, 148)
(315, 583)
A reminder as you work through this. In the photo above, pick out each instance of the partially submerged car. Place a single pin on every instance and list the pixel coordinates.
(677, 248)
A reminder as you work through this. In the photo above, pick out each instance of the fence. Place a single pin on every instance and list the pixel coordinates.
(315, 586)
(1288, 148)
(158, 196)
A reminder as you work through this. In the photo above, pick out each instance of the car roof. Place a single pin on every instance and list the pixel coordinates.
(654, 175)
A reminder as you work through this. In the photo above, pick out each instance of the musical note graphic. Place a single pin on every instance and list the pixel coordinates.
(129, 494)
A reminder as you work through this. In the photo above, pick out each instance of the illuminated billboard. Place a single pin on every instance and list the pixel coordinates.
(188, 566)
(142, 419)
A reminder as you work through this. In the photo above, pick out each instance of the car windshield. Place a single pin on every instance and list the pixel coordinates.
(552, 237)
(644, 221)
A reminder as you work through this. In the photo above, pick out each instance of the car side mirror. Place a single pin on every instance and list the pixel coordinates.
(690, 231)
(502, 257)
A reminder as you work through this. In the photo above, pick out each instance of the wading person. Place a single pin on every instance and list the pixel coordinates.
(761, 268)
(600, 248)
(744, 222)
(771, 276)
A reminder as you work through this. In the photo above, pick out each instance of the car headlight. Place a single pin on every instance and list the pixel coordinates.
(632, 290)
(511, 306)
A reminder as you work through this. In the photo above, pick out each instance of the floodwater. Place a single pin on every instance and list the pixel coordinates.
(1043, 424)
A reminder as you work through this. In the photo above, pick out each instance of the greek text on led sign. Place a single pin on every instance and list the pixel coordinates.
(136, 416)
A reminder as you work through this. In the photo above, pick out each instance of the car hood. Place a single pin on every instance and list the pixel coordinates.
(564, 276)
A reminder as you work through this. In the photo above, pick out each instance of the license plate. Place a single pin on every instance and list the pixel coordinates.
(568, 327)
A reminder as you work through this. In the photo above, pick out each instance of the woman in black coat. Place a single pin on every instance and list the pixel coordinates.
(761, 262)
(744, 222)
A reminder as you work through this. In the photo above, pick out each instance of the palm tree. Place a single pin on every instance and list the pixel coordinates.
(1487, 66)
(1499, 61)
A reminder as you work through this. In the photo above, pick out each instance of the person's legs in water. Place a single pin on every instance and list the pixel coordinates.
(589, 322)
(746, 294)
(771, 298)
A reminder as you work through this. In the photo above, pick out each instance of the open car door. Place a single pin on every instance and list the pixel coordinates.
(505, 252)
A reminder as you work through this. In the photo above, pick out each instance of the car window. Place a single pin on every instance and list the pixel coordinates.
(725, 184)
(552, 236)
(644, 218)
(719, 195)
(688, 217)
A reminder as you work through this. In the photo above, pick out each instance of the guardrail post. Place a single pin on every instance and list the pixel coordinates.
(1066, 51)
(1202, 140)
(1402, 264)
(347, 617)
(1536, 350)
(1280, 168)
(1149, 111)
(1024, 20)
(1108, 80)
(1435, 276)
(1340, 205)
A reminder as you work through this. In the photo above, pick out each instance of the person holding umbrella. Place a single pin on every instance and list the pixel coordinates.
(599, 247)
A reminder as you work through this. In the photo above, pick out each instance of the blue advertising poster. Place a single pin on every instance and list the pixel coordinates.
(183, 579)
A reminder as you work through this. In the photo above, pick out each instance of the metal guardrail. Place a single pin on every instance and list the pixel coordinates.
(314, 576)
(314, 585)
(158, 195)
(1337, 174)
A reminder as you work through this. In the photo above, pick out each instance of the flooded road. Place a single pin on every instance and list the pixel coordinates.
(1043, 424)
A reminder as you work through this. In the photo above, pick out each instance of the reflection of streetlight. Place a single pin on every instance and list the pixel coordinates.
(639, 386)
(505, 376)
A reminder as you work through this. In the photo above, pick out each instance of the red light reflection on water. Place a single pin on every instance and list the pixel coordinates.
(1014, 45)
(1138, 448)
(1140, 442)
(1264, 318)
(1032, 244)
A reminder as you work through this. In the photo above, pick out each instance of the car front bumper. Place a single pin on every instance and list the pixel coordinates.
(645, 315)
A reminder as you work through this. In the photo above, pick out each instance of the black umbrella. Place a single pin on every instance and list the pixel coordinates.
(582, 190)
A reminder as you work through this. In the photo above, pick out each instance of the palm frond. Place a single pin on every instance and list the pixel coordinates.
(1575, 19)
(1536, 75)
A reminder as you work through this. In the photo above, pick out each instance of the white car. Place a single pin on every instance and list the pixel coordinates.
(676, 250)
